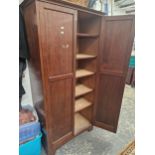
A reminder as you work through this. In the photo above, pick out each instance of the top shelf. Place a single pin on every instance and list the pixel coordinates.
(80, 56)
(87, 35)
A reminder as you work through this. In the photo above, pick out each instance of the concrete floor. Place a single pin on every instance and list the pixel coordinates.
(102, 142)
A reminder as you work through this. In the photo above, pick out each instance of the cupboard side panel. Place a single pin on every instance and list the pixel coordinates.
(34, 63)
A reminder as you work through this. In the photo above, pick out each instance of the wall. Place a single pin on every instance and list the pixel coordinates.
(27, 97)
(20, 1)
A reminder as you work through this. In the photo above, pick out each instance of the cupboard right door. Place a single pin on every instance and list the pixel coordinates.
(117, 36)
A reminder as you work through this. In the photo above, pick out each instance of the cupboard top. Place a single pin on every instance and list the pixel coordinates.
(65, 4)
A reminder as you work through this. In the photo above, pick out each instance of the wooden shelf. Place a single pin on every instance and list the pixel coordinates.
(80, 124)
(84, 56)
(81, 90)
(87, 35)
(81, 104)
(82, 73)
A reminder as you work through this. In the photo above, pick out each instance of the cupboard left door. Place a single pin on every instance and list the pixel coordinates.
(58, 42)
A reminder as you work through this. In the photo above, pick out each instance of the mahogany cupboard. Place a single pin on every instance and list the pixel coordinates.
(78, 66)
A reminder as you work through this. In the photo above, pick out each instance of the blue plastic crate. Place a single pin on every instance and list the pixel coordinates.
(32, 147)
(28, 131)
(132, 61)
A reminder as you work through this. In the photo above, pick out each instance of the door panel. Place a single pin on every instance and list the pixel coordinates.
(116, 41)
(61, 107)
(116, 46)
(107, 111)
(58, 42)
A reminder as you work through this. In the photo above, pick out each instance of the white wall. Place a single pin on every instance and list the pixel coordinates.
(27, 97)
(20, 1)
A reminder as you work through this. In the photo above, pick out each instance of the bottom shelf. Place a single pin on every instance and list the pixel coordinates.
(81, 123)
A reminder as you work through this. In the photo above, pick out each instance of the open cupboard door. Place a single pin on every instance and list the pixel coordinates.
(117, 36)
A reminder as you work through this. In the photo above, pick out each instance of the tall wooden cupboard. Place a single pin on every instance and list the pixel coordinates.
(78, 65)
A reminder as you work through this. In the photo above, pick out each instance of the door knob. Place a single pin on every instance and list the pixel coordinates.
(62, 32)
(65, 46)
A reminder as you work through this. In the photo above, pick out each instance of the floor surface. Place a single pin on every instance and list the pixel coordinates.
(102, 142)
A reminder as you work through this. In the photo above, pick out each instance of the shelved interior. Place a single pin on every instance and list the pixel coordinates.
(81, 89)
(81, 103)
(81, 56)
(83, 72)
(86, 66)
(80, 123)
(83, 120)
(88, 23)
